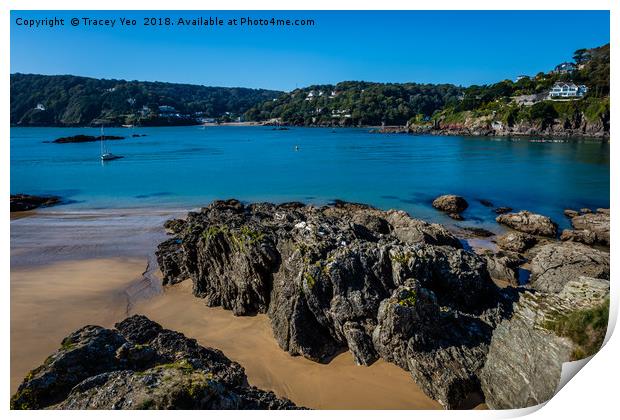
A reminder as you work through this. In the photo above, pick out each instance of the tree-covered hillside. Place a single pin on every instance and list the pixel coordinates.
(507, 101)
(73, 100)
(356, 103)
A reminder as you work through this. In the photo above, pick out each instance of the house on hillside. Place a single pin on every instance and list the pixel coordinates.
(564, 68)
(522, 77)
(567, 90)
(40, 107)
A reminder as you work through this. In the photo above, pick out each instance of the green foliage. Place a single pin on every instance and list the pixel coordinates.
(310, 280)
(408, 298)
(356, 103)
(73, 100)
(586, 328)
(402, 257)
(214, 230)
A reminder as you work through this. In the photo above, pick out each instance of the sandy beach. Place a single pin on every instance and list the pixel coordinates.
(70, 269)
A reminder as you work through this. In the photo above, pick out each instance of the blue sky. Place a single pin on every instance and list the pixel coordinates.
(460, 47)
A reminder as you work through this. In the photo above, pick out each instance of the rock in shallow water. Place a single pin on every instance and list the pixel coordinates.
(589, 228)
(139, 365)
(527, 222)
(452, 204)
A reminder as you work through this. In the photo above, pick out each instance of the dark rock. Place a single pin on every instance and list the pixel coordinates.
(485, 203)
(139, 366)
(455, 216)
(516, 241)
(527, 222)
(82, 138)
(557, 263)
(174, 226)
(503, 266)
(412, 332)
(503, 210)
(322, 273)
(450, 203)
(525, 356)
(24, 202)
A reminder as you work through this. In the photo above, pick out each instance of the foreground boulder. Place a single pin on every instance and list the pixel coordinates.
(526, 353)
(25, 202)
(526, 222)
(589, 228)
(557, 263)
(451, 204)
(323, 275)
(139, 365)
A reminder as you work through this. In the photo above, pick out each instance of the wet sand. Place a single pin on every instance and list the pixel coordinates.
(112, 276)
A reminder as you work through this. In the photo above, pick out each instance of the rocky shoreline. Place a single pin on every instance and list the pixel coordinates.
(381, 284)
(557, 130)
(139, 365)
(26, 202)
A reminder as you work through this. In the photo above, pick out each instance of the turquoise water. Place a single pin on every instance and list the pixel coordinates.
(189, 166)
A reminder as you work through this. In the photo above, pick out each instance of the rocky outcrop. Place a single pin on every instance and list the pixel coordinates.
(527, 222)
(139, 365)
(577, 125)
(83, 138)
(557, 263)
(25, 202)
(589, 228)
(451, 204)
(525, 356)
(328, 277)
(516, 241)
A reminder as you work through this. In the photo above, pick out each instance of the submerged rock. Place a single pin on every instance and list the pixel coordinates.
(502, 210)
(451, 204)
(526, 353)
(527, 222)
(322, 275)
(139, 365)
(25, 202)
(557, 263)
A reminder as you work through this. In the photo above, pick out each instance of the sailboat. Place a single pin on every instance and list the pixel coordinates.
(105, 153)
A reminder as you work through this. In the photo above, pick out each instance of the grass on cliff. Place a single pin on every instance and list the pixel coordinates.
(586, 328)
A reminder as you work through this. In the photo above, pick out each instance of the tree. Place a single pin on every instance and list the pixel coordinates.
(581, 56)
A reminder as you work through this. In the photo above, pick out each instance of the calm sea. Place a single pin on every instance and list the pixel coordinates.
(190, 166)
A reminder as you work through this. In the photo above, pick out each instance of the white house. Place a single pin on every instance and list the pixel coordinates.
(40, 107)
(567, 90)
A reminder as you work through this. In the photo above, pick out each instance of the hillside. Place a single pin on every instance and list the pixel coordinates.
(38, 100)
(356, 103)
(523, 107)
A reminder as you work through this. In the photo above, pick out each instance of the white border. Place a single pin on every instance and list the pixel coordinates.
(591, 395)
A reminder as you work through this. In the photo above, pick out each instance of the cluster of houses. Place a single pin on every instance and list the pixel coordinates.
(317, 94)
